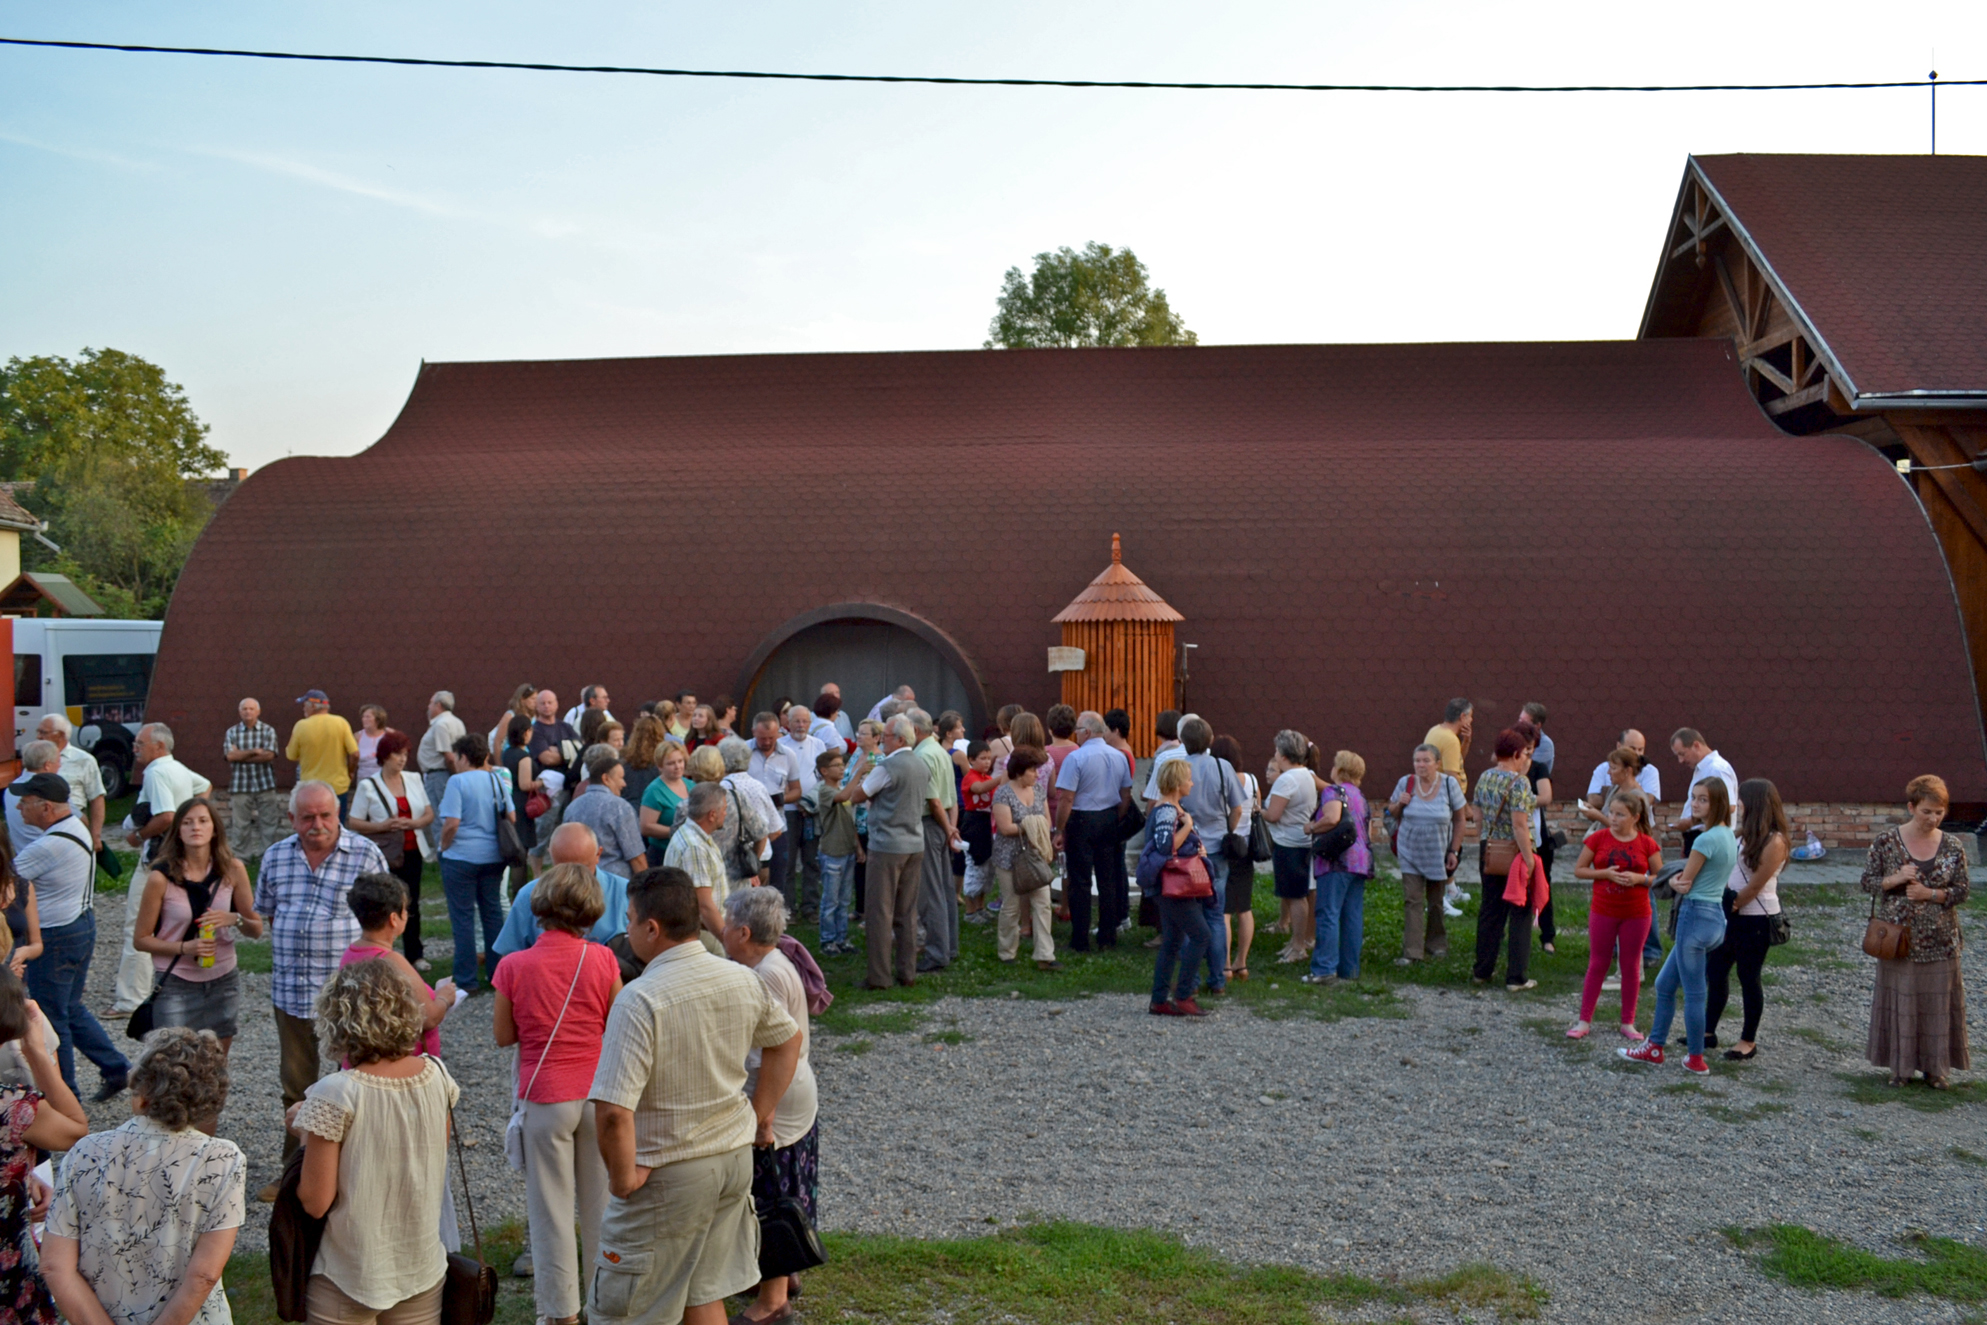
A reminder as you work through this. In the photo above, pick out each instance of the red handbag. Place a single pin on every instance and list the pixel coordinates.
(1185, 877)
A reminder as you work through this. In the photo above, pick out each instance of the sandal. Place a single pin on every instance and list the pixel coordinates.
(1239, 973)
(1939, 1083)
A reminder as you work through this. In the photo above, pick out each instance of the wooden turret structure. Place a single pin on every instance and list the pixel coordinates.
(1118, 650)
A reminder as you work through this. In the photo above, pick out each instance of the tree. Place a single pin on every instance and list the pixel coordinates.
(108, 443)
(1096, 297)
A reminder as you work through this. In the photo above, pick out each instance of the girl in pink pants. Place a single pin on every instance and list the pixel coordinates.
(1620, 860)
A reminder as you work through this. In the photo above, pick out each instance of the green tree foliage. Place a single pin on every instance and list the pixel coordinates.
(1097, 297)
(109, 444)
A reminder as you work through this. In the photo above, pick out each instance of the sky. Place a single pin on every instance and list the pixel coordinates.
(290, 241)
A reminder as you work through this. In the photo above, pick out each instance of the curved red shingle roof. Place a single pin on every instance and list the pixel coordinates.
(1352, 533)
(1117, 595)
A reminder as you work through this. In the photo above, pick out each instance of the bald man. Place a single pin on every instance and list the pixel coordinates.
(572, 844)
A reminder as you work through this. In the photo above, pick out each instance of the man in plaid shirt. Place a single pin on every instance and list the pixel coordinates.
(302, 890)
(255, 808)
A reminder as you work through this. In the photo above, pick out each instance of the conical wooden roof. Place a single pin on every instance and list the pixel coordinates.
(1117, 595)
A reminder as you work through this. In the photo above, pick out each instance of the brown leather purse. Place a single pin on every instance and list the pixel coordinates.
(1498, 853)
(469, 1287)
(1884, 940)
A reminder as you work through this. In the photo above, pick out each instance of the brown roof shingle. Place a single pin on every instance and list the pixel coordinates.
(1353, 533)
(1885, 255)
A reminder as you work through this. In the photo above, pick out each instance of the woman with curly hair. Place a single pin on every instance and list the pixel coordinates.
(375, 1154)
(119, 1250)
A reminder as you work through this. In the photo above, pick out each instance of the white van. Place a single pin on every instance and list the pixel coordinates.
(97, 672)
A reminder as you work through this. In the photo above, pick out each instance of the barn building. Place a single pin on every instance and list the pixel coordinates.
(1704, 526)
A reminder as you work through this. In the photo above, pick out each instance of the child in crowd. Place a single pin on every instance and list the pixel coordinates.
(833, 824)
(379, 901)
(976, 789)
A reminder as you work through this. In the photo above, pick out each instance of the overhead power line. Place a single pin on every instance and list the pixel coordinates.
(543, 67)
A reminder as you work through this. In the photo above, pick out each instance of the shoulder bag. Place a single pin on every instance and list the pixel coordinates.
(1779, 929)
(1185, 877)
(469, 1286)
(1499, 853)
(391, 845)
(1341, 836)
(510, 847)
(1031, 872)
(1885, 940)
(743, 861)
(143, 1017)
(1234, 846)
(294, 1237)
(1262, 847)
(514, 1129)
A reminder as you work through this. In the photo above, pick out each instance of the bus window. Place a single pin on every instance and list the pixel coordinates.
(107, 687)
(27, 680)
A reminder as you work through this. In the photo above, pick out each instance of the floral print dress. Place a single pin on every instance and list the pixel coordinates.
(23, 1296)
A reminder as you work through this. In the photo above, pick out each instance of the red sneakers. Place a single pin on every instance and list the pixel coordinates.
(1645, 1052)
(1695, 1063)
(1186, 1007)
(1162, 1010)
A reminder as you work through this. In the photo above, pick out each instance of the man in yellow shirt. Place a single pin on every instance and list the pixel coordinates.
(324, 749)
(1451, 738)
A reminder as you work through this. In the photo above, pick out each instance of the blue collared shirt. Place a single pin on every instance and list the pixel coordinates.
(521, 929)
(1096, 773)
(310, 921)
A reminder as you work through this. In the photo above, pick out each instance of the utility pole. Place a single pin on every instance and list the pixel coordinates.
(1934, 80)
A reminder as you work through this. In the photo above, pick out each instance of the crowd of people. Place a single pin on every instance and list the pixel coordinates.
(633, 888)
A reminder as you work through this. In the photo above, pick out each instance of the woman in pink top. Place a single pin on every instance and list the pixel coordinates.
(379, 902)
(196, 899)
(552, 1003)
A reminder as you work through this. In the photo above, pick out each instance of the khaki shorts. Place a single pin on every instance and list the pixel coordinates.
(686, 1237)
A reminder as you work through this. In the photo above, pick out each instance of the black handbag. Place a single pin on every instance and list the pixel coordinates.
(469, 1287)
(143, 1017)
(1340, 837)
(294, 1235)
(788, 1243)
(510, 847)
(744, 859)
(1131, 821)
(1778, 929)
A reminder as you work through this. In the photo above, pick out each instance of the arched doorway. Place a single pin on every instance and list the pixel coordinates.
(869, 651)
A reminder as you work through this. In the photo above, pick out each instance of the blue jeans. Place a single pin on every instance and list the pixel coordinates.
(1217, 922)
(55, 981)
(1700, 928)
(838, 878)
(1182, 942)
(1341, 925)
(473, 890)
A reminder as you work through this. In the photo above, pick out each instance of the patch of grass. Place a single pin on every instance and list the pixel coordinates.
(948, 1037)
(1869, 1088)
(1965, 1156)
(1744, 1113)
(1865, 1134)
(842, 1020)
(1063, 1272)
(1771, 1085)
(252, 1299)
(856, 1046)
(1690, 1088)
(1820, 1039)
(1955, 1271)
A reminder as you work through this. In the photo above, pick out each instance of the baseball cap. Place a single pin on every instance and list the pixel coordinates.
(317, 695)
(44, 786)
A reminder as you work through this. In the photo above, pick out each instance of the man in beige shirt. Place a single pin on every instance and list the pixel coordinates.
(675, 1128)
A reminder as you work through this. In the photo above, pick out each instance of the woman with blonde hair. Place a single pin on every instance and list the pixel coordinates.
(1917, 878)
(552, 1000)
(375, 1163)
(1341, 902)
(519, 707)
(662, 799)
(372, 726)
(1292, 801)
(704, 730)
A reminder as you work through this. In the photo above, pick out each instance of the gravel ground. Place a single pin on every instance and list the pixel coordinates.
(1469, 1131)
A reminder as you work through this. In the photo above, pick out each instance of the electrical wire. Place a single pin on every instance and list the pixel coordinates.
(533, 66)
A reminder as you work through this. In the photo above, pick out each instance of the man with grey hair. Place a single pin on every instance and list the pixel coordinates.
(255, 807)
(302, 892)
(694, 849)
(431, 756)
(898, 793)
(80, 770)
(168, 784)
(938, 898)
(802, 886)
(555, 749)
(1097, 782)
(36, 757)
(902, 696)
(598, 805)
(591, 697)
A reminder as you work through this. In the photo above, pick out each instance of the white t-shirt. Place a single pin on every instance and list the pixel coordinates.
(796, 1112)
(1173, 751)
(804, 751)
(1712, 765)
(1300, 793)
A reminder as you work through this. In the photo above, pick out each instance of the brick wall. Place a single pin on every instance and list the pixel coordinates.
(1839, 825)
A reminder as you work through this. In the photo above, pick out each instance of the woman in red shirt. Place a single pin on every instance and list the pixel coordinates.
(552, 1002)
(1620, 860)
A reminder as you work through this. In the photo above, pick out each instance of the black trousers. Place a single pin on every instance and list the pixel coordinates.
(1092, 849)
(408, 871)
(1501, 922)
(1548, 930)
(1744, 947)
